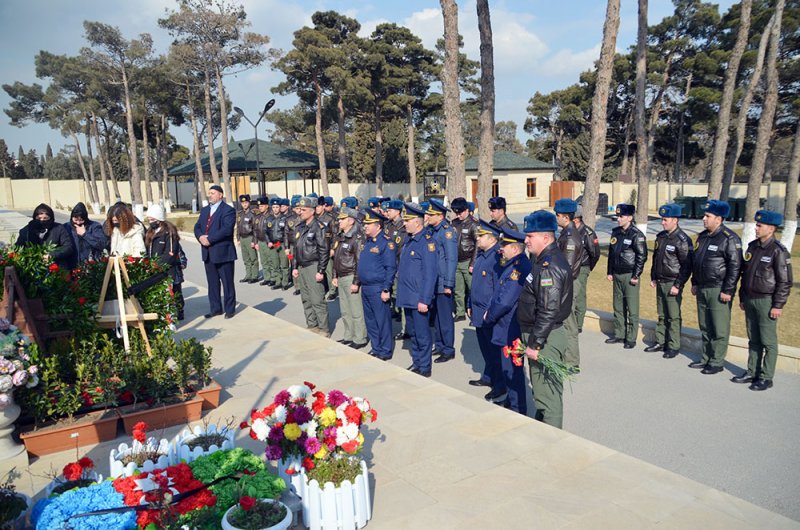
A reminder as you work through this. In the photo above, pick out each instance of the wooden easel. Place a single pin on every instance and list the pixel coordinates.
(125, 310)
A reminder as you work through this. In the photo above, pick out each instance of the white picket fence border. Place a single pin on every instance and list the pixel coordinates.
(117, 469)
(180, 450)
(330, 508)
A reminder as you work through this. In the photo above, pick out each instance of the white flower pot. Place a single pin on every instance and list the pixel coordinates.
(180, 450)
(117, 469)
(330, 508)
(91, 475)
(294, 481)
(283, 525)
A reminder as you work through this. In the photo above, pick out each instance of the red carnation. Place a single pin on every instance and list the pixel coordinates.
(308, 464)
(374, 414)
(141, 426)
(131, 259)
(290, 471)
(72, 471)
(82, 300)
(350, 447)
(139, 436)
(312, 386)
(353, 413)
(244, 425)
(247, 503)
(53, 267)
(86, 463)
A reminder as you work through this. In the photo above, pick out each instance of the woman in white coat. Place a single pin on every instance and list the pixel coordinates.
(125, 231)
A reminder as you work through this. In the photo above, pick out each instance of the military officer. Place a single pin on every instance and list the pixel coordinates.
(311, 261)
(591, 255)
(261, 235)
(416, 286)
(377, 267)
(627, 254)
(348, 202)
(346, 251)
(497, 211)
(276, 234)
(466, 228)
(445, 238)
(716, 266)
(394, 229)
(570, 243)
(544, 305)
(374, 203)
(245, 219)
(766, 283)
(271, 253)
(669, 272)
(289, 242)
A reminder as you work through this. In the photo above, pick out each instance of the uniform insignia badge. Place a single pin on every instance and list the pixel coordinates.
(571, 247)
(291, 224)
(390, 245)
(448, 235)
(546, 282)
(397, 240)
(336, 244)
(432, 247)
(412, 253)
(613, 240)
(747, 256)
(483, 273)
(376, 250)
(546, 263)
(656, 246)
(515, 275)
(788, 261)
(297, 235)
(766, 259)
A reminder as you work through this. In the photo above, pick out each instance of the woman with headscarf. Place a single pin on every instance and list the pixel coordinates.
(87, 236)
(162, 243)
(125, 231)
(43, 229)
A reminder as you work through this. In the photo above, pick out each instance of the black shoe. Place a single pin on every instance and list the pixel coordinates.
(265, 282)
(330, 297)
(296, 292)
(629, 345)
(444, 358)
(209, 315)
(229, 315)
(180, 316)
(358, 346)
(654, 347)
(420, 372)
(479, 382)
(271, 283)
(244, 280)
(345, 342)
(434, 351)
(382, 358)
(253, 280)
(402, 336)
(744, 378)
(287, 287)
(460, 319)
(761, 384)
(614, 340)
(711, 370)
(697, 365)
(276, 287)
(669, 354)
(494, 394)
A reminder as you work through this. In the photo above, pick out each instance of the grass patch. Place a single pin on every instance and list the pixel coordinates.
(184, 223)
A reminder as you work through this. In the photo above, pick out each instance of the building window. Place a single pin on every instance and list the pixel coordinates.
(531, 188)
(495, 188)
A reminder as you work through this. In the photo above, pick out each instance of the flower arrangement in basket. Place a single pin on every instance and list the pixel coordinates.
(555, 369)
(16, 368)
(144, 454)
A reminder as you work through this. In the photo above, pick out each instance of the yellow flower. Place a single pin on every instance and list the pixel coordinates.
(327, 417)
(360, 439)
(322, 453)
(292, 431)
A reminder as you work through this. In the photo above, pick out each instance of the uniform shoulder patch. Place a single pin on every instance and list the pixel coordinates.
(448, 234)
(515, 275)
(546, 282)
(748, 256)
(398, 239)
(390, 245)
(613, 240)
(683, 237)
(432, 247)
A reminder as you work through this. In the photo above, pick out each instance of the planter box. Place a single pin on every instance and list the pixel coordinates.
(118, 469)
(210, 395)
(161, 416)
(89, 429)
(330, 508)
(180, 448)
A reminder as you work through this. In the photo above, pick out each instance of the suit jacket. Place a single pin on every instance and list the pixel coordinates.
(220, 233)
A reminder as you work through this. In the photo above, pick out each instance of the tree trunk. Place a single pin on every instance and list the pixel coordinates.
(453, 134)
(626, 145)
(724, 121)
(643, 196)
(101, 161)
(111, 174)
(148, 188)
(344, 178)
(164, 168)
(212, 158)
(412, 150)
(92, 179)
(323, 167)
(486, 152)
(223, 124)
(765, 126)
(79, 156)
(136, 185)
(679, 159)
(159, 162)
(198, 158)
(558, 137)
(735, 150)
(642, 165)
(790, 209)
(597, 145)
(378, 153)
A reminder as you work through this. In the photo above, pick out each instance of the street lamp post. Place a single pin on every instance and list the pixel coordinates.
(262, 187)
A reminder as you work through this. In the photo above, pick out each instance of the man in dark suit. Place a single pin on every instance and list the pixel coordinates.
(214, 231)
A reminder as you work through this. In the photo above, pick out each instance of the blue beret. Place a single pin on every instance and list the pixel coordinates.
(263, 200)
(371, 216)
(566, 206)
(626, 209)
(768, 217)
(541, 221)
(436, 207)
(719, 208)
(394, 204)
(459, 204)
(486, 227)
(295, 200)
(328, 201)
(312, 194)
(671, 210)
(412, 210)
(350, 202)
(507, 235)
(284, 202)
(497, 203)
(244, 197)
(374, 202)
(470, 206)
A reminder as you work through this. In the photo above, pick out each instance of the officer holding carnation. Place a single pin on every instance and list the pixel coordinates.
(766, 283)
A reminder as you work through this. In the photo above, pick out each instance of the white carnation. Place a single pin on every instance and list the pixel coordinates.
(261, 429)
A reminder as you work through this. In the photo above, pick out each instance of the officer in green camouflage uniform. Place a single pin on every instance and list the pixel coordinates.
(289, 241)
(245, 219)
(766, 283)
(311, 260)
(466, 227)
(262, 238)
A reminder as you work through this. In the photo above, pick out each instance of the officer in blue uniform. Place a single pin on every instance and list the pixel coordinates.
(377, 266)
(416, 286)
(502, 313)
(484, 283)
(445, 237)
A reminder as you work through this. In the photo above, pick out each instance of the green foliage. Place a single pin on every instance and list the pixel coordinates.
(262, 515)
(336, 470)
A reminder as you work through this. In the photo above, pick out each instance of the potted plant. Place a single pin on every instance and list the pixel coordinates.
(203, 440)
(257, 514)
(13, 505)
(144, 454)
(78, 474)
(16, 370)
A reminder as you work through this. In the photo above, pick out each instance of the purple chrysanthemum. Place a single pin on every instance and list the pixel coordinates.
(336, 398)
(275, 434)
(302, 415)
(273, 452)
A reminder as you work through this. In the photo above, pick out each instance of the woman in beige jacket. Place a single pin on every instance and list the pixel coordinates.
(125, 231)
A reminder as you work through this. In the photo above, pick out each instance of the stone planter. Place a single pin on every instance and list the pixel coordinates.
(161, 416)
(118, 469)
(182, 452)
(327, 507)
(88, 429)
(283, 525)
(8, 415)
(210, 394)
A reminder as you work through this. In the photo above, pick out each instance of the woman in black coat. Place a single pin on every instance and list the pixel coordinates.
(162, 242)
(43, 229)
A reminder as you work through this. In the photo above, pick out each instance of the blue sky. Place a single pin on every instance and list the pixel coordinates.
(540, 45)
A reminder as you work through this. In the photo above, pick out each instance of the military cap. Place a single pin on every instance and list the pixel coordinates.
(626, 209)
(274, 201)
(346, 212)
(244, 197)
(385, 202)
(320, 201)
(350, 202)
(436, 207)
(295, 200)
(670, 210)
(497, 203)
(768, 217)
(508, 235)
(216, 187)
(263, 200)
(308, 202)
(395, 204)
(412, 211)
(486, 227)
(313, 194)
(328, 201)
(371, 216)
(541, 221)
(284, 202)
(459, 204)
(374, 202)
(470, 206)
(565, 206)
(718, 208)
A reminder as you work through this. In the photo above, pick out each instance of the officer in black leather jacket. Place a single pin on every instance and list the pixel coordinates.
(466, 227)
(591, 255)
(326, 217)
(346, 251)
(311, 256)
(544, 305)
(716, 266)
(245, 221)
(570, 243)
